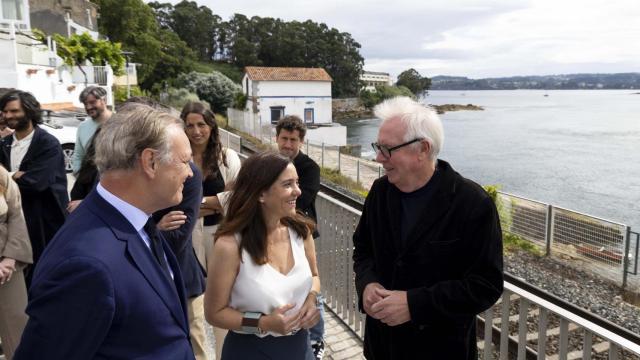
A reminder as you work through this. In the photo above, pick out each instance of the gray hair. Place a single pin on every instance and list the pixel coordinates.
(421, 121)
(96, 91)
(136, 127)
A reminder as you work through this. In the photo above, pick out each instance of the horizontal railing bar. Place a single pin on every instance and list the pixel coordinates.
(589, 216)
(626, 341)
(522, 198)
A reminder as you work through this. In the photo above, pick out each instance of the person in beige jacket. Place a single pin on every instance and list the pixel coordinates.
(15, 255)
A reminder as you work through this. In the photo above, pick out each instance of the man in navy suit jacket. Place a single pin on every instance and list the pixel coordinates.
(108, 285)
(35, 161)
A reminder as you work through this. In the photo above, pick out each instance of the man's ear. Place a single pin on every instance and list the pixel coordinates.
(148, 160)
(425, 148)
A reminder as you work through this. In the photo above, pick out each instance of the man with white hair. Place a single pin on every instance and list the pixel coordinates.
(428, 248)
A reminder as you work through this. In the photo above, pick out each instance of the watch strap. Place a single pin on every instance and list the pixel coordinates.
(250, 321)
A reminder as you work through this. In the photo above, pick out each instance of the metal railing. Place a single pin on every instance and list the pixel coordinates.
(585, 242)
(362, 171)
(510, 331)
(230, 140)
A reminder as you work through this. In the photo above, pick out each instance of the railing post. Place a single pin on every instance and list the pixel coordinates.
(358, 171)
(338, 158)
(549, 232)
(625, 260)
(307, 146)
(322, 155)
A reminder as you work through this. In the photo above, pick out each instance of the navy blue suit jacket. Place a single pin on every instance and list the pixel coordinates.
(180, 239)
(98, 293)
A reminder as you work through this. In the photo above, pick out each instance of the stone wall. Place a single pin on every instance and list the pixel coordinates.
(349, 108)
(49, 15)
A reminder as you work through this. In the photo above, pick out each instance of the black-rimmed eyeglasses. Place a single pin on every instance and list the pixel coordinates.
(386, 151)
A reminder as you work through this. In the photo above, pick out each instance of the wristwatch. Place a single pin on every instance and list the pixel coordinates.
(250, 322)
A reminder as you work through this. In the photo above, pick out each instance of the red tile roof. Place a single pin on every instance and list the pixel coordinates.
(261, 73)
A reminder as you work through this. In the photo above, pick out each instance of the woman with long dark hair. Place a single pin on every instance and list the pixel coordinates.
(219, 167)
(263, 282)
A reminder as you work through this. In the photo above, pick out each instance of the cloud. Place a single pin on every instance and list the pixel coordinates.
(476, 38)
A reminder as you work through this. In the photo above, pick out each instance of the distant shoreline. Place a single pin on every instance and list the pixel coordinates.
(358, 114)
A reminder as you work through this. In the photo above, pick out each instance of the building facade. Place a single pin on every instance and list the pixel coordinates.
(29, 65)
(371, 79)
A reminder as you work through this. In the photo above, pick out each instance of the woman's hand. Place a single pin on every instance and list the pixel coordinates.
(211, 203)
(309, 313)
(73, 204)
(7, 267)
(280, 323)
(172, 220)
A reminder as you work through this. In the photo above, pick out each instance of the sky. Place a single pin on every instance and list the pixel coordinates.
(473, 38)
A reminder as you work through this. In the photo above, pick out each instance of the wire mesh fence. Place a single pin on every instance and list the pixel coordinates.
(523, 217)
(582, 241)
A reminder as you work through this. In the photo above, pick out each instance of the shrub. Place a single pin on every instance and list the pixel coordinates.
(215, 88)
(177, 98)
(370, 99)
(120, 93)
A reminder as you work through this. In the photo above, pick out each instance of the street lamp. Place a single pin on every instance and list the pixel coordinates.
(126, 56)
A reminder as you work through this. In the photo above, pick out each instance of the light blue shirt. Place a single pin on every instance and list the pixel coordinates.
(85, 132)
(135, 216)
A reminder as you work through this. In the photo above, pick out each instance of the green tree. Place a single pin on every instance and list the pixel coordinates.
(370, 99)
(159, 53)
(78, 49)
(414, 81)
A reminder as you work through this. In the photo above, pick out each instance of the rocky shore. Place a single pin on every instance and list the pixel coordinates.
(580, 288)
(352, 109)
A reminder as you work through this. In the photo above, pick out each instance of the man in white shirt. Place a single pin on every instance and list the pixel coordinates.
(35, 161)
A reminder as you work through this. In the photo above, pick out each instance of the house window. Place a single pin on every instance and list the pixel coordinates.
(277, 113)
(12, 9)
(308, 116)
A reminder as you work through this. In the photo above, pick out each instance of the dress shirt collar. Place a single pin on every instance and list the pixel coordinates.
(135, 216)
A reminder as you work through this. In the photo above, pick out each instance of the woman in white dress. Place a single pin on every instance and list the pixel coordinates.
(263, 282)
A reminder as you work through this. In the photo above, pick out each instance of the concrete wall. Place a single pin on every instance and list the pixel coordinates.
(296, 106)
(293, 88)
(329, 135)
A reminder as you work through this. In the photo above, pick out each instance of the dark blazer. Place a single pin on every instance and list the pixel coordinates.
(180, 239)
(43, 187)
(98, 293)
(309, 180)
(451, 267)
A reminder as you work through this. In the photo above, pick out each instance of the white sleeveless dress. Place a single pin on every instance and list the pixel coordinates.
(262, 288)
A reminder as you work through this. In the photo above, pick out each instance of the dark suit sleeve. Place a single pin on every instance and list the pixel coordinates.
(42, 165)
(190, 205)
(363, 261)
(309, 179)
(480, 286)
(70, 312)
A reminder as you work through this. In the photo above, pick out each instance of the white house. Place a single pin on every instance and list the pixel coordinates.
(371, 79)
(28, 65)
(274, 92)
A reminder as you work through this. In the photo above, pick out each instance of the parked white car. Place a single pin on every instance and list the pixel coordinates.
(64, 126)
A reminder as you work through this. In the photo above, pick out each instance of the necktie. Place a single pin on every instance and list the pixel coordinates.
(156, 245)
